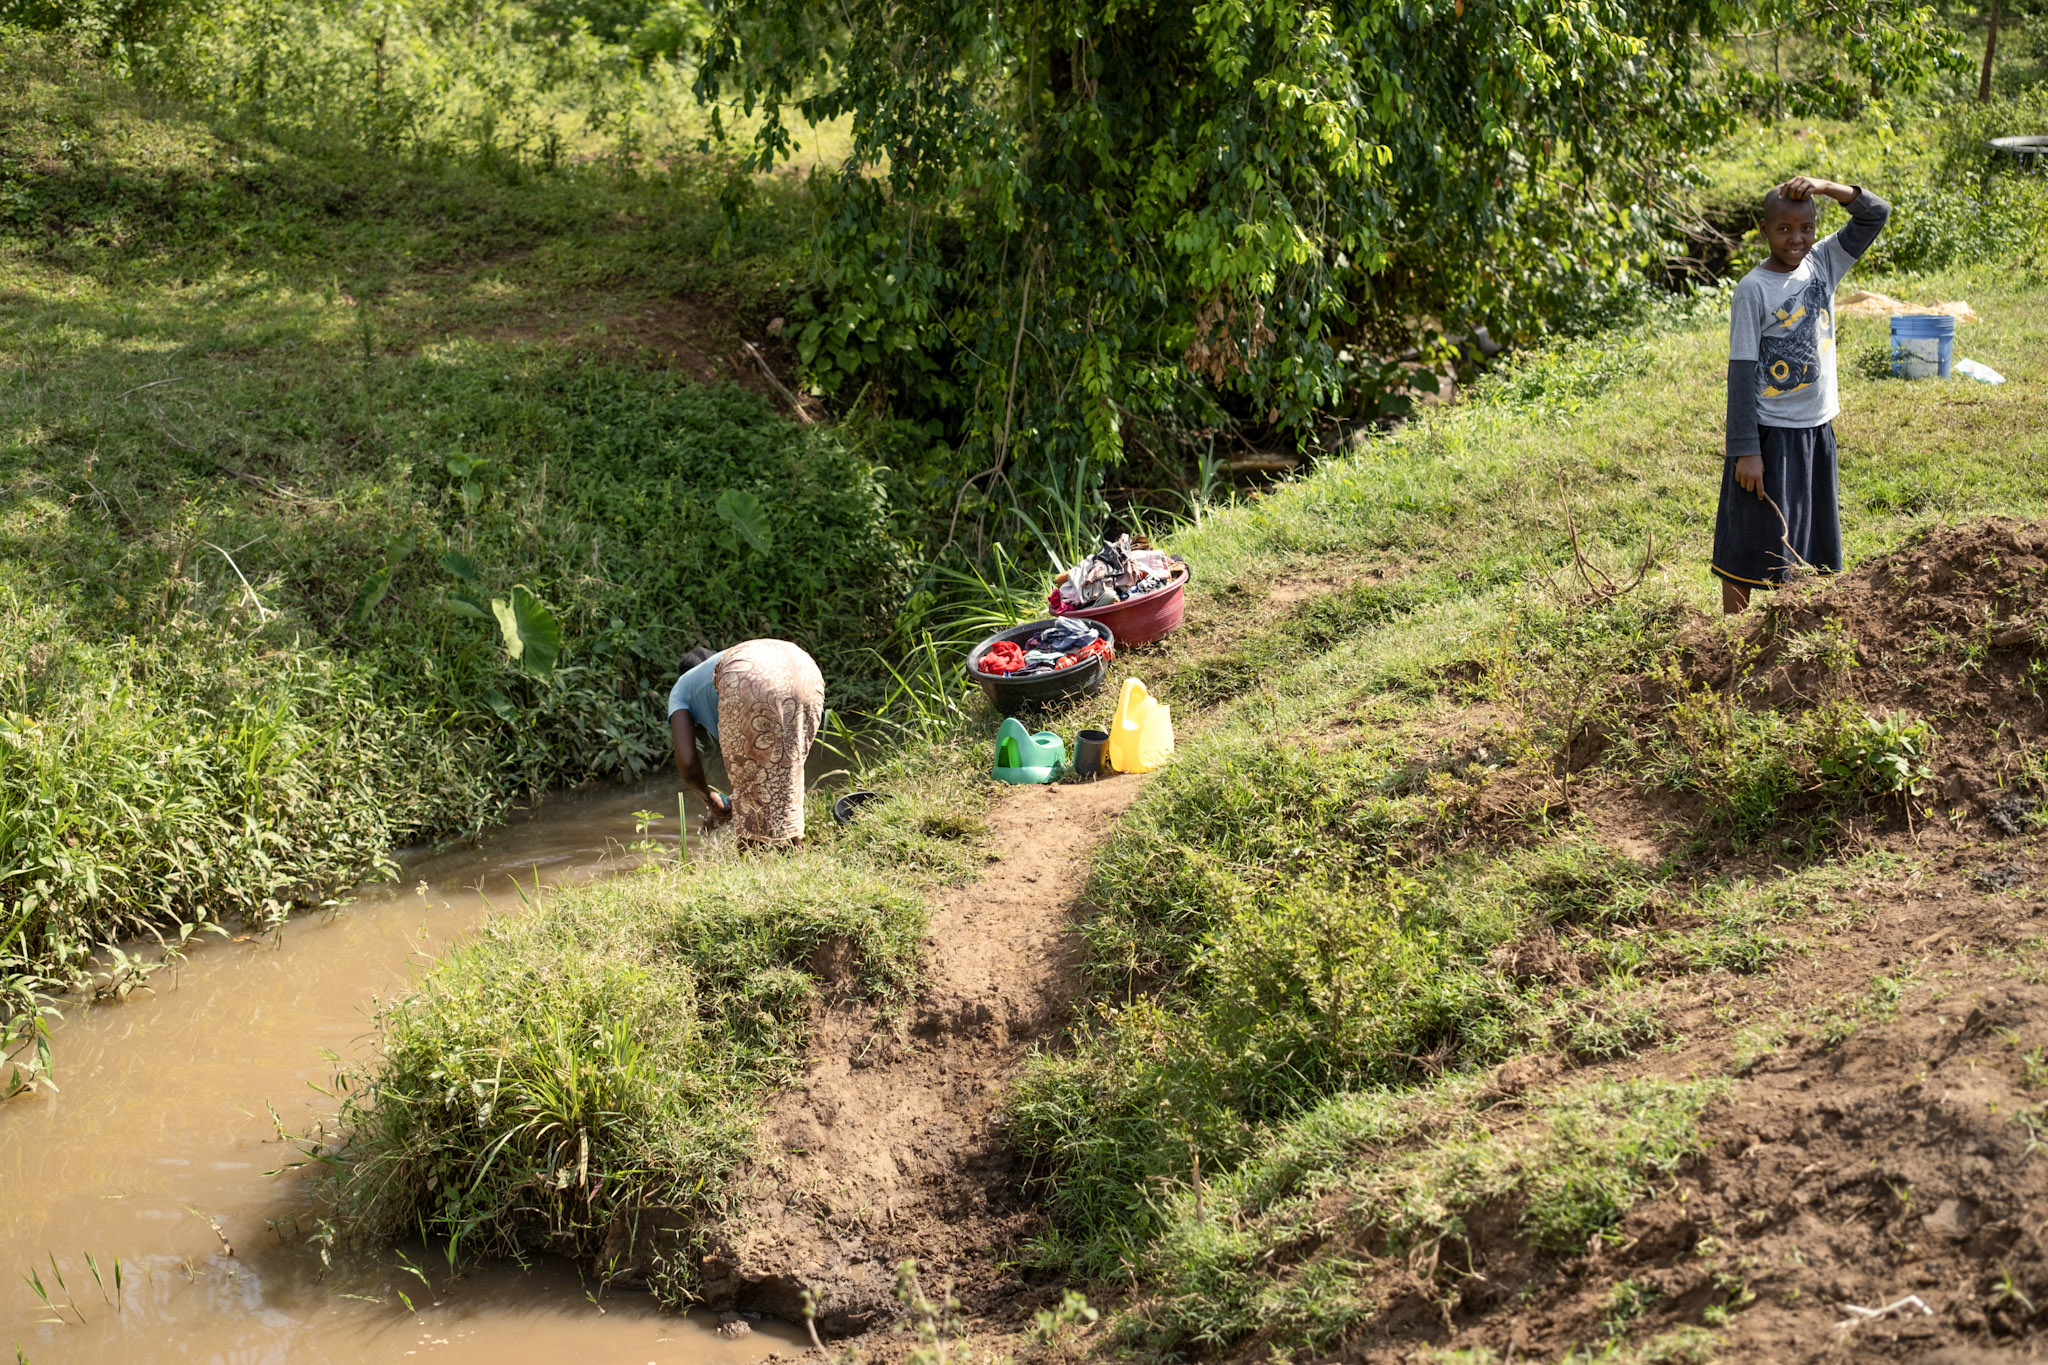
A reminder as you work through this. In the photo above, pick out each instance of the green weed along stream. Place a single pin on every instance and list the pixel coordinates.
(271, 439)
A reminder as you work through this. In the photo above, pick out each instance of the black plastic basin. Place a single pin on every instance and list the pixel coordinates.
(848, 806)
(1013, 696)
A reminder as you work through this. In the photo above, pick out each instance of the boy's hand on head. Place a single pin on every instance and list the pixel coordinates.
(1749, 474)
(1803, 187)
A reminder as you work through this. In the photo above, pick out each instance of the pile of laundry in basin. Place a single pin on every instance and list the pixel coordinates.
(1060, 645)
(1115, 573)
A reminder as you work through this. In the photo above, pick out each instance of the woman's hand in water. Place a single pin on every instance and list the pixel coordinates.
(717, 807)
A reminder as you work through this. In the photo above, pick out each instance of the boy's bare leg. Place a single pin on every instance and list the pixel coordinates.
(1734, 598)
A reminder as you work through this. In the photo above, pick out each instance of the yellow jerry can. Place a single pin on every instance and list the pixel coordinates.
(1141, 732)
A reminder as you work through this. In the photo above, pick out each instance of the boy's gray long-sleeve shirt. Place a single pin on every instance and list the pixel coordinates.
(1781, 334)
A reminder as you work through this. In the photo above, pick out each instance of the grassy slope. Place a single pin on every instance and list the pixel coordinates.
(231, 376)
(1292, 913)
(1317, 896)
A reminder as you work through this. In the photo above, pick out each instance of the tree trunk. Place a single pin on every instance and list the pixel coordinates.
(1990, 53)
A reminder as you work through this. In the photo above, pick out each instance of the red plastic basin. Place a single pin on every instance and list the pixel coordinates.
(1141, 620)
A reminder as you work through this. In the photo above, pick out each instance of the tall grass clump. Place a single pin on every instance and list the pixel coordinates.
(160, 788)
(597, 1064)
(602, 1058)
(975, 583)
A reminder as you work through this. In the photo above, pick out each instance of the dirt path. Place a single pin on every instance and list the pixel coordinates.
(890, 1145)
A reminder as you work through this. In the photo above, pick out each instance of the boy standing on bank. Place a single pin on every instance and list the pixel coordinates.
(1779, 511)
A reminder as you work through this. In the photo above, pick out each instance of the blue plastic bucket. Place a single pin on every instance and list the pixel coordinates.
(1923, 345)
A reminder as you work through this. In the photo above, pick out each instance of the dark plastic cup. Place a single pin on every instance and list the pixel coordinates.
(1088, 747)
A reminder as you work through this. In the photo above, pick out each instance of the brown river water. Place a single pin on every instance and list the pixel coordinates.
(163, 1131)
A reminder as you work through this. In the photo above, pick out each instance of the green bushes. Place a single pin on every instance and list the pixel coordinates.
(520, 85)
(165, 785)
(1756, 765)
(1263, 883)
(1942, 223)
(1976, 206)
(1955, 201)
(271, 438)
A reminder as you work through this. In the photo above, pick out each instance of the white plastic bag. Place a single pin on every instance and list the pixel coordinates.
(1978, 371)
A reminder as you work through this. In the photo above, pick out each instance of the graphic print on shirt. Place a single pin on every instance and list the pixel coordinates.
(1794, 340)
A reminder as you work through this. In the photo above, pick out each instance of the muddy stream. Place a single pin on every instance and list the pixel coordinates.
(162, 1133)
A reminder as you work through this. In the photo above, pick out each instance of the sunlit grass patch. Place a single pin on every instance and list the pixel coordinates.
(1341, 1205)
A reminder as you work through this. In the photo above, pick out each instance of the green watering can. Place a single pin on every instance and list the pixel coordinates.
(1023, 758)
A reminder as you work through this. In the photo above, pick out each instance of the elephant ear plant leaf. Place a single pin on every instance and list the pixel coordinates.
(467, 602)
(533, 637)
(379, 583)
(373, 590)
(743, 512)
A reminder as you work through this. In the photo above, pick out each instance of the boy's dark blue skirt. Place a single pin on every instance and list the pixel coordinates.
(1753, 545)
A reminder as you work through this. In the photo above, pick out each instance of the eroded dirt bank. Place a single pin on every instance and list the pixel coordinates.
(1874, 1185)
(889, 1147)
(1900, 1167)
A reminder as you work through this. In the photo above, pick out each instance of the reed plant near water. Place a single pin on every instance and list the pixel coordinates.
(187, 781)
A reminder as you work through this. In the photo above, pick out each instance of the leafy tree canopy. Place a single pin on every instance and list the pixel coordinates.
(1078, 231)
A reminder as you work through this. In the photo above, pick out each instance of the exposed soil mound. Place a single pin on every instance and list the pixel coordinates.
(1871, 1189)
(1952, 626)
(1866, 1161)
